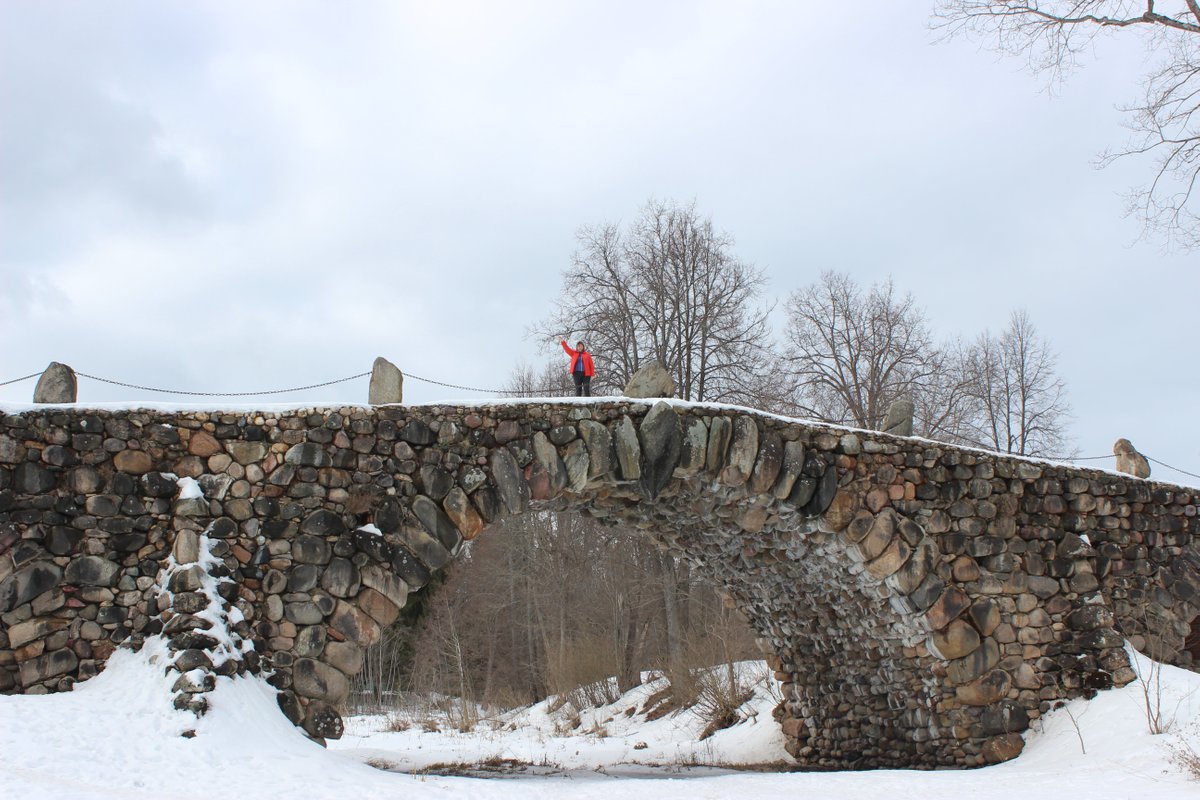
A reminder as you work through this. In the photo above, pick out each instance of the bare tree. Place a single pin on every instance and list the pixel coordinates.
(1053, 34)
(1022, 402)
(668, 288)
(853, 351)
(548, 380)
(947, 406)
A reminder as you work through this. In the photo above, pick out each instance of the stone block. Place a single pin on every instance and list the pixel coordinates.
(693, 447)
(629, 452)
(307, 549)
(576, 461)
(956, 640)
(768, 463)
(186, 548)
(56, 385)
(462, 512)
(45, 667)
(1002, 748)
(319, 681)
(984, 691)
(31, 629)
(923, 560)
(322, 721)
(341, 578)
(387, 383)
(27, 583)
(355, 625)
(878, 537)
(91, 571)
(789, 470)
(510, 483)
(425, 547)
(308, 454)
(890, 560)
(743, 449)
(246, 452)
(345, 657)
(1005, 717)
(600, 449)
(661, 442)
(948, 607)
(437, 523)
(390, 586)
(377, 606)
(985, 616)
(133, 462)
(650, 380)
(547, 456)
(968, 668)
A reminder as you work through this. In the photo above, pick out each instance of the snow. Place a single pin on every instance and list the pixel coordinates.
(220, 616)
(610, 739)
(117, 736)
(189, 489)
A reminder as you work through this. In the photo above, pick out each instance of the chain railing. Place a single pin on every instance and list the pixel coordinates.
(445, 384)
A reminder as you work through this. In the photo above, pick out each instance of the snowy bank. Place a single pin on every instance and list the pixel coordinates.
(117, 736)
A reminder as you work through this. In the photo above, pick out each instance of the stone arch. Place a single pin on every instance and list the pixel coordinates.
(883, 660)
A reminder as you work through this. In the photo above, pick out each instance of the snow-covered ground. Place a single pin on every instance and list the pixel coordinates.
(555, 738)
(116, 736)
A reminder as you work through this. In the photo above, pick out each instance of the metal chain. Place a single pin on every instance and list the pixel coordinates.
(1148, 458)
(1168, 466)
(476, 388)
(18, 380)
(293, 389)
(221, 394)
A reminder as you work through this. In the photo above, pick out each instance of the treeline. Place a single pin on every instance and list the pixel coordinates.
(554, 603)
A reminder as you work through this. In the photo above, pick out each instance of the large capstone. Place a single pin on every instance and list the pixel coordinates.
(57, 385)
(387, 383)
(650, 380)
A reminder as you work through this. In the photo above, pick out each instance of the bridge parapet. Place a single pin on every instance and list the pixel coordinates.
(921, 603)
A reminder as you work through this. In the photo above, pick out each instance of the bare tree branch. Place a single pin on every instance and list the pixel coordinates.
(1052, 34)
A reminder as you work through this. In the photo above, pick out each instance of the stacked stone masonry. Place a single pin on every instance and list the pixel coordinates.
(919, 603)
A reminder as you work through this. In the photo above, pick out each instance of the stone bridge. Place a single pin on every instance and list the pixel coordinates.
(920, 603)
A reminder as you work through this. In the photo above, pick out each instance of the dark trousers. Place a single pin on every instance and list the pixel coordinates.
(583, 384)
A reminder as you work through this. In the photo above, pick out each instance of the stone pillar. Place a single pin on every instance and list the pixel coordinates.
(57, 385)
(1129, 460)
(899, 418)
(387, 383)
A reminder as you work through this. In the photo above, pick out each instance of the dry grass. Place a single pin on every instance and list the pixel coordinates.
(660, 704)
(1187, 759)
(487, 767)
(716, 693)
(397, 723)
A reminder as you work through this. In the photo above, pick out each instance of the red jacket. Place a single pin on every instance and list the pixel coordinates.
(588, 369)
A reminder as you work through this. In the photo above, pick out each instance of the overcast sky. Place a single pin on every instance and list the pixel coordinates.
(243, 196)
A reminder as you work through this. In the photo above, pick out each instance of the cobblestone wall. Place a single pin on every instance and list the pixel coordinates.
(920, 603)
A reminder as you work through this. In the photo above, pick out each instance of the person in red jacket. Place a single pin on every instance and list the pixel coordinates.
(582, 368)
